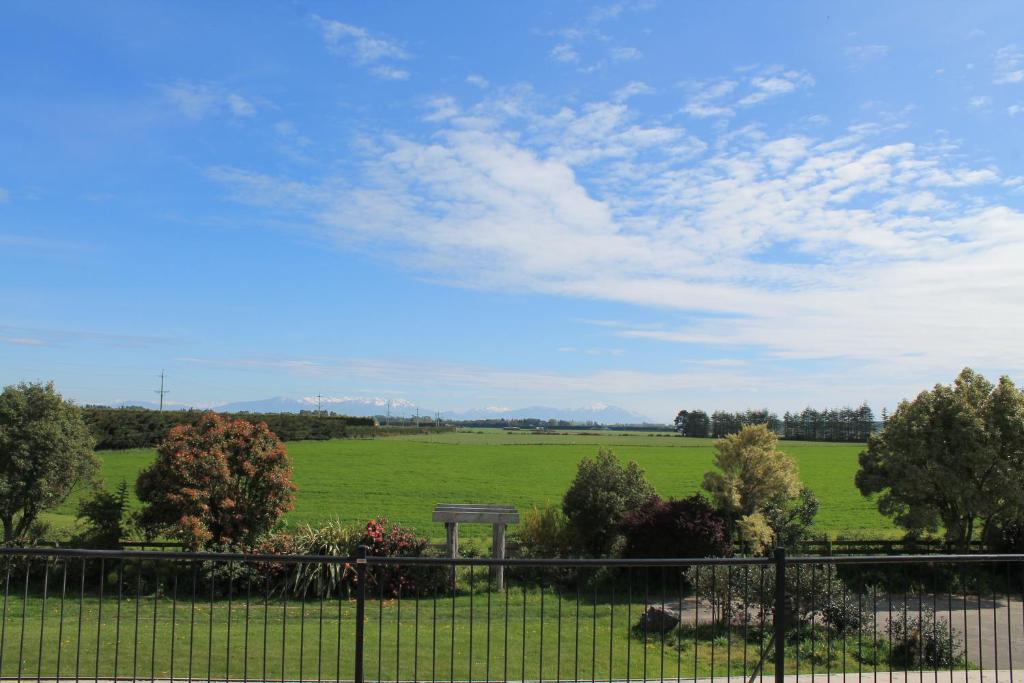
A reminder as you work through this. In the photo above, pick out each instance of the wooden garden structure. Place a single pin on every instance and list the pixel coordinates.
(498, 516)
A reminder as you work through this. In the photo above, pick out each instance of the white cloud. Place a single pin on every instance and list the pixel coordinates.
(1015, 109)
(723, 96)
(979, 102)
(240, 106)
(365, 48)
(623, 54)
(705, 101)
(23, 341)
(867, 53)
(477, 80)
(873, 247)
(563, 52)
(631, 90)
(1009, 65)
(441, 108)
(389, 72)
(199, 100)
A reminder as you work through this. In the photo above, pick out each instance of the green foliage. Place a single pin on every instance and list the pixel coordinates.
(924, 640)
(811, 590)
(104, 515)
(117, 428)
(791, 520)
(45, 452)
(692, 423)
(951, 458)
(545, 532)
(754, 484)
(216, 483)
(599, 498)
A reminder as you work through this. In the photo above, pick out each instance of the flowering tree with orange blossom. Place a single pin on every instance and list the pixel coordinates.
(216, 483)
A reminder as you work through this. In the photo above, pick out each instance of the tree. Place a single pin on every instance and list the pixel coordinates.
(681, 421)
(104, 515)
(216, 482)
(45, 453)
(675, 528)
(599, 498)
(692, 423)
(753, 477)
(951, 458)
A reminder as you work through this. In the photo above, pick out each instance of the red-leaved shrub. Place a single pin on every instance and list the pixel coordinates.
(675, 528)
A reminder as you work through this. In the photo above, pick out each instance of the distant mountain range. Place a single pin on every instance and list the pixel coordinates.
(367, 407)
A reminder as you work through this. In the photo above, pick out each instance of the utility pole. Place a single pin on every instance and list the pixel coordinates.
(318, 411)
(162, 391)
(387, 420)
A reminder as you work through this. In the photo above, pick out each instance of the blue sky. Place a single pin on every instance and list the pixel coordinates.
(656, 205)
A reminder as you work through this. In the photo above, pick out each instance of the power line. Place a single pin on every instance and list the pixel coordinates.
(162, 391)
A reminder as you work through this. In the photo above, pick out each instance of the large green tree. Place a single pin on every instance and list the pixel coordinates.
(599, 498)
(46, 450)
(953, 458)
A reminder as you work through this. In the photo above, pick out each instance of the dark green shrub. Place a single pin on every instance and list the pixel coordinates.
(599, 498)
(104, 517)
(924, 640)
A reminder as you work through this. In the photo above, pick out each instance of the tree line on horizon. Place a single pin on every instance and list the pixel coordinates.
(831, 424)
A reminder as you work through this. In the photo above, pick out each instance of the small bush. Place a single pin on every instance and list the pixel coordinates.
(545, 533)
(924, 640)
(675, 528)
(384, 539)
(332, 539)
(104, 515)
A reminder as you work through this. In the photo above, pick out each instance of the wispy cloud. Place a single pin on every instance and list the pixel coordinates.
(365, 48)
(625, 54)
(867, 53)
(752, 235)
(388, 72)
(477, 80)
(35, 336)
(631, 90)
(563, 52)
(23, 341)
(1009, 65)
(587, 32)
(722, 97)
(198, 100)
(979, 102)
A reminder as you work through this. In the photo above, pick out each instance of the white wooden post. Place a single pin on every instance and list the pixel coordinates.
(452, 532)
(498, 552)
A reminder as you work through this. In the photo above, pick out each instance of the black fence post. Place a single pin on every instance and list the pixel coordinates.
(780, 615)
(360, 610)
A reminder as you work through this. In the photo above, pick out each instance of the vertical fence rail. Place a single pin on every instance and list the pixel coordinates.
(145, 615)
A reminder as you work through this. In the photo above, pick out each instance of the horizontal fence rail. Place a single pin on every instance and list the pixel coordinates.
(161, 615)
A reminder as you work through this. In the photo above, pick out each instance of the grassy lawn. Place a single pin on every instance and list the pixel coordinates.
(547, 637)
(404, 477)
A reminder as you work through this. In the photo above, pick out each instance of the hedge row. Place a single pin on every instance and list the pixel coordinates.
(116, 428)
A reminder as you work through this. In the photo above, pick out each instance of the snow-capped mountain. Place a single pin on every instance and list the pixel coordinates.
(601, 413)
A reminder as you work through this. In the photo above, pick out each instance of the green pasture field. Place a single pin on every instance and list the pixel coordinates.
(403, 477)
(548, 637)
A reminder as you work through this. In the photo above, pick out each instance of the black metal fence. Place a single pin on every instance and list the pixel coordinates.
(113, 615)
